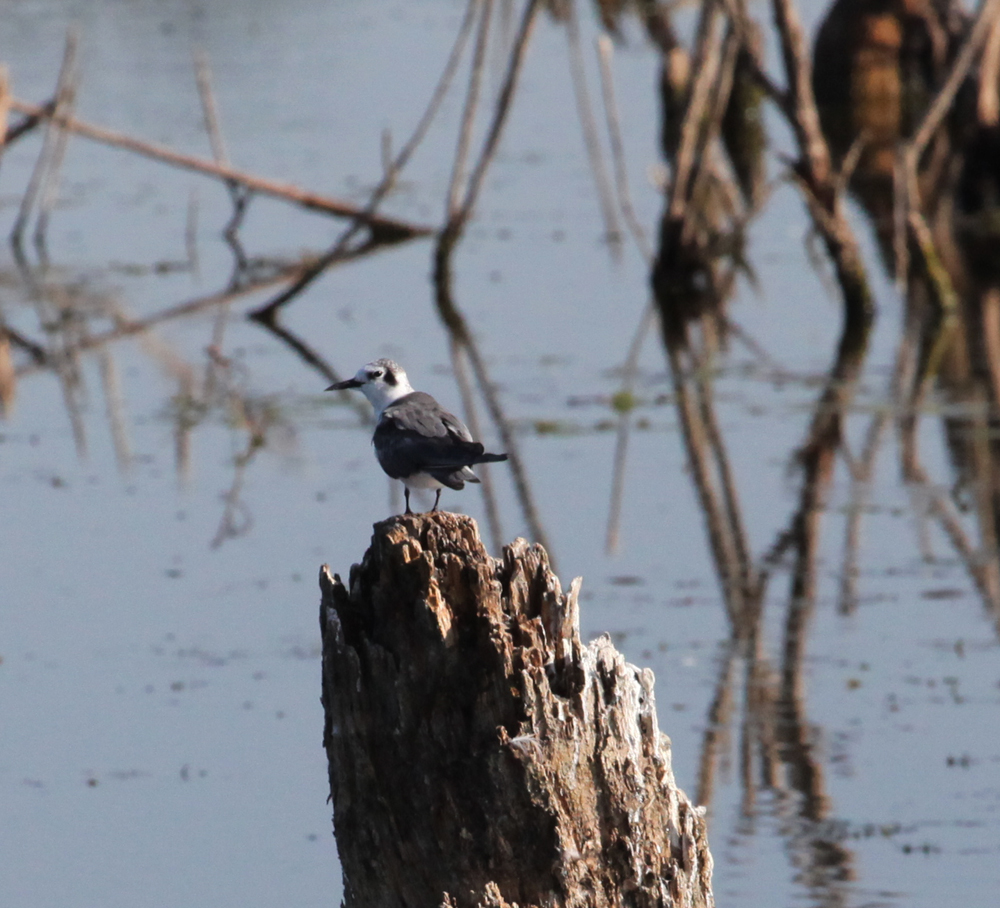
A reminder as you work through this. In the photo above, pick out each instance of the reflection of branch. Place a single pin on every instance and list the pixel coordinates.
(460, 209)
(825, 864)
(648, 318)
(230, 526)
(863, 470)
(304, 351)
(981, 562)
(717, 726)
(66, 98)
(53, 142)
(713, 481)
(37, 352)
(760, 731)
(625, 404)
(115, 405)
(456, 325)
(27, 123)
(982, 570)
(702, 217)
(485, 478)
(126, 327)
(257, 416)
(54, 306)
(131, 327)
(824, 860)
(816, 458)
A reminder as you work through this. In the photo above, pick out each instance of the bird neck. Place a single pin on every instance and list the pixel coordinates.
(382, 395)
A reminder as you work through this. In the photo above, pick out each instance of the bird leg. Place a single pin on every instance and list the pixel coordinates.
(406, 495)
(437, 498)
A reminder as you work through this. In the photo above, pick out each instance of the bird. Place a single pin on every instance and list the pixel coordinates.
(416, 439)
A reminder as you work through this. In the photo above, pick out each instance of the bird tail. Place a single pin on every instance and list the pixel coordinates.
(456, 478)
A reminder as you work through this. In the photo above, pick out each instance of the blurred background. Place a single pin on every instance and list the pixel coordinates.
(748, 373)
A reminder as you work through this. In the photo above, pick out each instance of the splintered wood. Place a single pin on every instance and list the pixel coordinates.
(479, 754)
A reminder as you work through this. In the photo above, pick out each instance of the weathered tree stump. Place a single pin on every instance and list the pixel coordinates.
(479, 754)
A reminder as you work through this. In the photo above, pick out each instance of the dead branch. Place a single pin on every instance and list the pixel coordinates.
(267, 314)
(986, 19)
(469, 108)
(4, 108)
(976, 43)
(815, 169)
(238, 194)
(804, 118)
(457, 219)
(988, 98)
(385, 228)
(605, 50)
(588, 126)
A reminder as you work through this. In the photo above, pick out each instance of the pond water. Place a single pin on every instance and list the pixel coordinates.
(169, 495)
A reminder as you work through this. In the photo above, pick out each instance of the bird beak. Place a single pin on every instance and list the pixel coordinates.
(345, 385)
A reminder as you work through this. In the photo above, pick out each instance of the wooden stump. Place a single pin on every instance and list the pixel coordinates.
(479, 754)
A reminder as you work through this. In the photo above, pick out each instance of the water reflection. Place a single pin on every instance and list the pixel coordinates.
(878, 70)
(873, 86)
(882, 75)
(705, 214)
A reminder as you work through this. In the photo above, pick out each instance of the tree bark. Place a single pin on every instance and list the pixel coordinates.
(479, 754)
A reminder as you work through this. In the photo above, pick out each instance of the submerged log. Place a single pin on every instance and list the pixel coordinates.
(479, 754)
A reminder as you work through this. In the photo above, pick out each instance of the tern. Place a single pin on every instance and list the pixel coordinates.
(416, 439)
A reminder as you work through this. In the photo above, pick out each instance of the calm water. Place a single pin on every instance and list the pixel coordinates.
(159, 683)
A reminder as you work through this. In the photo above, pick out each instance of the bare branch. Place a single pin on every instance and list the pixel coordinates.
(939, 107)
(387, 228)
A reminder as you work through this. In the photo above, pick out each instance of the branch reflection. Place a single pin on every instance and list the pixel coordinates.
(886, 78)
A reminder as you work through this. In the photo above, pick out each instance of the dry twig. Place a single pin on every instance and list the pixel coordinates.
(266, 314)
(588, 126)
(385, 228)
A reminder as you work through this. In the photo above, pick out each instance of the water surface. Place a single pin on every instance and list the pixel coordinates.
(160, 667)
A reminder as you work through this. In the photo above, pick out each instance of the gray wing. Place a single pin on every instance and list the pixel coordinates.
(421, 413)
(417, 435)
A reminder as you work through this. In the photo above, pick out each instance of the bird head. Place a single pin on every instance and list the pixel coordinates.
(381, 381)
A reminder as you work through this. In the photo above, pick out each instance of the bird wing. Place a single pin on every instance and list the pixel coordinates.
(415, 434)
(422, 413)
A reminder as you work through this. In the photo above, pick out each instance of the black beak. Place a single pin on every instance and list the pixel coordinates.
(345, 385)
